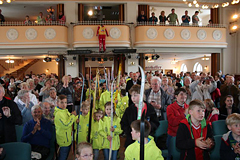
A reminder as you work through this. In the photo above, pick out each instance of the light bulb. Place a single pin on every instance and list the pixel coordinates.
(234, 27)
(184, 0)
(194, 2)
(8, 1)
(197, 5)
(237, 1)
(235, 16)
(1, 2)
(90, 13)
(189, 4)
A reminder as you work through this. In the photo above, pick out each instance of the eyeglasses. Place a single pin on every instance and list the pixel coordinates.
(87, 155)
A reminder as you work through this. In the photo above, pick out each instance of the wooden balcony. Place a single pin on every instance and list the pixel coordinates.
(180, 36)
(85, 36)
(34, 36)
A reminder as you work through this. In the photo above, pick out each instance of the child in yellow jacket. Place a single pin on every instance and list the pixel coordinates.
(122, 104)
(96, 140)
(105, 129)
(84, 123)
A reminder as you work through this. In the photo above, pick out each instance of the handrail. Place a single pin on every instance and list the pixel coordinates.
(16, 23)
(102, 22)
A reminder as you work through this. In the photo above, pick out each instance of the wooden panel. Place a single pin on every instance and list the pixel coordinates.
(215, 15)
(80, 12)
(142, 61)
(144, 8)
(215, 63)
(60, 8)
(121, 12)
(81, 64)
(61, 67)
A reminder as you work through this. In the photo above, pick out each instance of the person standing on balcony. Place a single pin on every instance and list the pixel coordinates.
(162, 18)
(195, 18)
(172, 18)
(2, 19)
(41, 19)
(61, 18)
(99, 14)
(186, 19)
(102, 33)
(27, 21)
(142, 17)
(153, 19)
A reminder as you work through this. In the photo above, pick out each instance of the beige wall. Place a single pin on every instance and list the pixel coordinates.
(41, 67)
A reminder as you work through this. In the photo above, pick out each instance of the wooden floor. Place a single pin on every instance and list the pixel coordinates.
(101, 157)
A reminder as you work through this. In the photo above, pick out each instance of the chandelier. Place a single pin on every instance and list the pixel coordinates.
(9, 61)
(8, 1)
(205, 58)
(50, 9)
(174, 61)
(211, 3)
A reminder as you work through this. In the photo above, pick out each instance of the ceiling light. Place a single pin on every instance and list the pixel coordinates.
(9, 61)
(174, 61)
(151, 61)
(90, 13)
(189, 4)
(194, 2)
(47, 59)
(184, 0)
(1, 2)
(50, 9)
(197, 5)
(205, 58)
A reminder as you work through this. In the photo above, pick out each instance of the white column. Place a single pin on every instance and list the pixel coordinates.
(71, 13)
(131, 13)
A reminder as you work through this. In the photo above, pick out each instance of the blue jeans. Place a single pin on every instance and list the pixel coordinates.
(168, 146)
(63, 152)
(96, 154)
(106, 154)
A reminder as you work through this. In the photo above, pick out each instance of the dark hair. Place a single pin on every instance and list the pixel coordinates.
(61, 97)
(172, 9)
(196, 12)
(123, 92)
(177, 91)
(135, 88)
(228, 96)
(136, 126)
(27, 16)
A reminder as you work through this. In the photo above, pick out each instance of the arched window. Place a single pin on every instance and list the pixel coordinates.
(183, 68)
(197, 67)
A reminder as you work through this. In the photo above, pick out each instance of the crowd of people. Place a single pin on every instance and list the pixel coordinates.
(190, 102)
(172, 18)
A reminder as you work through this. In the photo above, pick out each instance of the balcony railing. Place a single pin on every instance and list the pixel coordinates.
(102, 22)
(22, 23)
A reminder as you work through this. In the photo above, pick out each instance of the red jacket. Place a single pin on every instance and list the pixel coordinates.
(175, 114)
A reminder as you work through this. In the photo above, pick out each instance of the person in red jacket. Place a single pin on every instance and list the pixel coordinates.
(102, 33)
(176, 112)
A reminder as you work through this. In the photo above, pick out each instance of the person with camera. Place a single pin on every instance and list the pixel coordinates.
(200, 90)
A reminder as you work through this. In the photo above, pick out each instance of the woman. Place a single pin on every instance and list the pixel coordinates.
(61, 18)
(45, 91)
(67, 89)
(162, 18)
(41, 19)
(211, 113)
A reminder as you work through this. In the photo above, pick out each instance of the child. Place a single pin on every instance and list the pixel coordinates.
(230, 148)
(131, 112)
(63, 122)
(84, 151)
(212, 112)
(151, 151)
(122, 104)
(84, 123)
(95, 138)
(104, 131)
(194, 136)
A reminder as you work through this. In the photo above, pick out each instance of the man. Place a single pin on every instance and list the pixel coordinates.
(172, 18)
(142, 17)
(2, 19)
(158, 98)
(38, 132)
(186, 18)
(10, 116)
(130, 83)
(195, 18)
(167, 89)
(187, 81)
(229, 89)
(153, 19)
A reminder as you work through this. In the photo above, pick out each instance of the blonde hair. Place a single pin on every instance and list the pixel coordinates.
(85, 104)
(233, 119)
(64, 78)
(195, 103)
(83, 145)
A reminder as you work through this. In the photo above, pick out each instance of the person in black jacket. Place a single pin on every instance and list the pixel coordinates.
(10, 116)
(142, 17)
(228, 108)
(194, 136)
(129, 85)
(230, 148)
(131, 112)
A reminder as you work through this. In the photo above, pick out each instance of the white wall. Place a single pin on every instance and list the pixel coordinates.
(72, 70)
(204, 16)
(41, 67)
(231, 55)
(96, 64)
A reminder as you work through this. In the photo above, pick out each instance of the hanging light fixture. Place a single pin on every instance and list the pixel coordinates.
(194, 2)
(50, 9)
(9, 61)
(189, 4)
(204, 4)
(8, 1)
(205, 58)
(174, 61)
